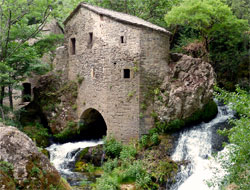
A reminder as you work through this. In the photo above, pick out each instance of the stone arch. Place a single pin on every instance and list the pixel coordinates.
(93, 124)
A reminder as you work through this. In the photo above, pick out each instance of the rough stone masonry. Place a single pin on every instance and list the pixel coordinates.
(121, 59)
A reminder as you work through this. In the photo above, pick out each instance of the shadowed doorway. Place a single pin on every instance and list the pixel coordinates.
(26, 93)
(92, 125)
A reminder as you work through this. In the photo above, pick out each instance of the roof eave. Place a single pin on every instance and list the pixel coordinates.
(114, 18)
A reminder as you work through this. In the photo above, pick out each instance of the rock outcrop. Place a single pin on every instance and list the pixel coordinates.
(93, 155)
(23, 166)
(186, 89)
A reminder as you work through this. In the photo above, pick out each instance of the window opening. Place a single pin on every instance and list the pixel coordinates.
(122, 40)
(126, 73)
(73, 46)
(101, 17)
(90, 37)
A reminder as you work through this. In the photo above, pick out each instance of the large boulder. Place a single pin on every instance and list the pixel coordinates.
(186, 89)
(22, 166)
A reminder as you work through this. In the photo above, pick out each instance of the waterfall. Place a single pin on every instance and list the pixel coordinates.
(62, 156)
(195, 146)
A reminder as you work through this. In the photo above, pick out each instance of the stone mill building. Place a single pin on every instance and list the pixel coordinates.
(120, 59)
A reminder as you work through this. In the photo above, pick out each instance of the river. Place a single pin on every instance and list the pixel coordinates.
(195, 145)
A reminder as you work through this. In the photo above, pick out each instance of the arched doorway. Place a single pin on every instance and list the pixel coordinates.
(92, 125)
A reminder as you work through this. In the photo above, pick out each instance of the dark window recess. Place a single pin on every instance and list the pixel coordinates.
(90, 37)
(126, 73)
(73, 46)
(26, 94)
(101, 17)
(122, 40)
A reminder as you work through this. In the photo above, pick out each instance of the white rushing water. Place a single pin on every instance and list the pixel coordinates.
(195, 146)
(62, 156)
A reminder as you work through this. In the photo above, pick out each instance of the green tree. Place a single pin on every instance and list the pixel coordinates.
(149, 10)
(241, 8)
(20, 20)
(210, 27)
(207, 17)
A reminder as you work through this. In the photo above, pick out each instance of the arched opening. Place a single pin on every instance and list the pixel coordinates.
(92, 125)
(26, 94)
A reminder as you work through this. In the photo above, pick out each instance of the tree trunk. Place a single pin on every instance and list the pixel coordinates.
(2, 95)
(10, 98)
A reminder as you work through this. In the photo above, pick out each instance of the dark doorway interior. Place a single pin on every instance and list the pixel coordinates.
(92, 125)
(26, 94)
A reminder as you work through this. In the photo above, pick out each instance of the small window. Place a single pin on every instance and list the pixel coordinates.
(126, 73)
(73, 46)
(90, 37)
(122, 40)
(101, 17)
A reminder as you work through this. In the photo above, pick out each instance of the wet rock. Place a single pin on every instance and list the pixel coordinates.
(93, 155)
(186, 89)
(24, 164)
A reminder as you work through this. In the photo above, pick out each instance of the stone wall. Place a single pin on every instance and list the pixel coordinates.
(153, 68)
(100, 62)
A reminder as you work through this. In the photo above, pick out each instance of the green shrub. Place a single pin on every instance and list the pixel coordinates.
(107, 182)
(70, 132)
(35, 171)
(6, 167)
(136, 173)
(175, 124)
(112, 147)
(128, 152)
(208, 112)
(154, 138)
(38, 133)
(144, 141)
(110, 165)
(65, 134)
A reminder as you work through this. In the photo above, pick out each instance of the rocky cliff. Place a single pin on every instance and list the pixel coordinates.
(187, 88)
(22, 166)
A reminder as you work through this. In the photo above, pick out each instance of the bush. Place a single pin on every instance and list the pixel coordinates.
(128, 152)
(107, 182)
(112, 148)
(144, 141)
(136, 173)
(6, 167)
(175, 124)
(71, 132)
(149, 140)
(154, 138)
(208, 112)
(37, 133)
(110, 165)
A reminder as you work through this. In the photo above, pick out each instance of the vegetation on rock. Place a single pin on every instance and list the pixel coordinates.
(208, 112)
(239, 136)
(139, 165)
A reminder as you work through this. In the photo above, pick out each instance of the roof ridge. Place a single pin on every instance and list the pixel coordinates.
(118, 16)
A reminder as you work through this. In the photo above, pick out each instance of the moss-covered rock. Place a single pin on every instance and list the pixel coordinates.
(23, 167)
(90, 155)
(208, 112)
